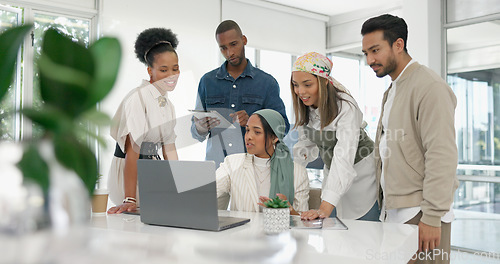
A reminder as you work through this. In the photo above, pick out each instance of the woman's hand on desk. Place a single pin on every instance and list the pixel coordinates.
(122, 208)
(324, 211)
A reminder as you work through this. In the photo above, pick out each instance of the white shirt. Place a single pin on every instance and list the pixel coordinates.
(262, 168)
(350, 187)
(141, 117)
(400, 215)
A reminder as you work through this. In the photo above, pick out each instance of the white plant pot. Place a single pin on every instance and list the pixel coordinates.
(276, 220)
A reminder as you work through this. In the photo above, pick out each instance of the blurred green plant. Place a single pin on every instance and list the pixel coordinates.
(73, 79)
(276, 203)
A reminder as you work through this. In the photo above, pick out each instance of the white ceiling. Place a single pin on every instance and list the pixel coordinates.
(336, 7)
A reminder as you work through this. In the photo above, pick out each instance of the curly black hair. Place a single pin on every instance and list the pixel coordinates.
(153, 41)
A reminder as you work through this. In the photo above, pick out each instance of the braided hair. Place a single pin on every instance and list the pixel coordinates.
(153, 41)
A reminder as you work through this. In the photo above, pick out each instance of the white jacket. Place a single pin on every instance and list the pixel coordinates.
(236, 177)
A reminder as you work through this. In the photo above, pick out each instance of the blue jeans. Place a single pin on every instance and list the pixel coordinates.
(372, 215)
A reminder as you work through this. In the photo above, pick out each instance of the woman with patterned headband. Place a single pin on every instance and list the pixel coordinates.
(329, 122)
(145, 120)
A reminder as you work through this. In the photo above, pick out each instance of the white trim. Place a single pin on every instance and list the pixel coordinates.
(59, 8)
(76, 16)
(478, 167)
(473, 68)
(470, 21)
(479, 178)
(286, 9)
(10, 9)
(361, 15)
(27, 87)
(344, 47)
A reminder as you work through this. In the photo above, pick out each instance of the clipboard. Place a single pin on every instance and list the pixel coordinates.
(224, 124)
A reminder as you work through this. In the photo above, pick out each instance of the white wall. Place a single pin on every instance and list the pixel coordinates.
(344, 31)
(194, 22)
(271, 27)
(424, 30)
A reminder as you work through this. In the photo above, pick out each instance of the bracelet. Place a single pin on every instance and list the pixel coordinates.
(130, 200)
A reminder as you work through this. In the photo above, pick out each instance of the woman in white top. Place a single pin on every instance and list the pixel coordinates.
(329, 122)
(266, 170)
(145, 120)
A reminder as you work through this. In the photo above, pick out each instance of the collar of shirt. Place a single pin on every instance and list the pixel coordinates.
(315, 117)
(314, 114)
(399, 76)
(248, 71)
(153, 90)
(261, 162)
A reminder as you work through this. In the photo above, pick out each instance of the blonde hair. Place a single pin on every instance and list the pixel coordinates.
(328, 103)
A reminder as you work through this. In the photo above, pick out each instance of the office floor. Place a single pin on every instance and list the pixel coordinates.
(477, 231)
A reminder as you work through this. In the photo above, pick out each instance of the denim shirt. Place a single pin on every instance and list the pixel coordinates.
(251, 91)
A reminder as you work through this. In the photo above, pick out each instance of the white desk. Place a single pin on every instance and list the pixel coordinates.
(123, 239)
(127, 239)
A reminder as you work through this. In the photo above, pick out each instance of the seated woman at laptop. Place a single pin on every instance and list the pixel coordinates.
(145, 120)
(266, 170)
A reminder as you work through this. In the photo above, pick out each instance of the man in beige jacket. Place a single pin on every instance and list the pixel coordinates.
(415, 149)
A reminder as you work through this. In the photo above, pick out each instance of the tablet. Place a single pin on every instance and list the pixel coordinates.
(212, 114)
(296, 222)
(333, 223)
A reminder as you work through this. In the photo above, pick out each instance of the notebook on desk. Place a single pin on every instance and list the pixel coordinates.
(181, 194)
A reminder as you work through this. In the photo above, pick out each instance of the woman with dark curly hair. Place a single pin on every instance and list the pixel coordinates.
(145, 120)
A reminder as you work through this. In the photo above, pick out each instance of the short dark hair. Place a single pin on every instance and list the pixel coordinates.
(153, 41)
(393, 27)
(227, 25)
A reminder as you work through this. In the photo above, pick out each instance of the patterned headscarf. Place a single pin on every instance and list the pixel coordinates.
(317, 64)
(281, 161)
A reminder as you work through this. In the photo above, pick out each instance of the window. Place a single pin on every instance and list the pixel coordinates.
(477, 116)
(77, 29)
(473, 72)
(9, 124)
(279, 65)
(24, 91)
(366, 88)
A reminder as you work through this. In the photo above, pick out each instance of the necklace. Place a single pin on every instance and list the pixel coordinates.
(162, 101)
(262, 173)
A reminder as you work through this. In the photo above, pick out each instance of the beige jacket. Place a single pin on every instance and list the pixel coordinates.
(422, 162)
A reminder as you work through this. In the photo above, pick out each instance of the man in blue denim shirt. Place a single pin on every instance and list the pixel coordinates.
(235, 90)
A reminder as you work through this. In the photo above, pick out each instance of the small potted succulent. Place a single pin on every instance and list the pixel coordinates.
(276, 215)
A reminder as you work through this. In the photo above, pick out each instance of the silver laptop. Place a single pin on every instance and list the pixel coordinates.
(181, 194)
